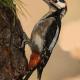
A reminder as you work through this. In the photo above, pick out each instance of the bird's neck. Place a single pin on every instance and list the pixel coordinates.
(56, 12)
(53, 12)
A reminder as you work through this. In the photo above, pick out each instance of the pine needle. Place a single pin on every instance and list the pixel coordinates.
(15, 5)
(20, 8)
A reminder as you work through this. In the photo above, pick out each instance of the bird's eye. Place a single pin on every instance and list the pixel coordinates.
(62, 1)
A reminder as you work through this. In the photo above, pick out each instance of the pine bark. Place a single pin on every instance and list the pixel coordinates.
(13, 62)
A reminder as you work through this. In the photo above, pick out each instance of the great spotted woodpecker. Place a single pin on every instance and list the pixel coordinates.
(45, 35)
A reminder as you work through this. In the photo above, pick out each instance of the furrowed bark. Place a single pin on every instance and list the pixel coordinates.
(13, 62)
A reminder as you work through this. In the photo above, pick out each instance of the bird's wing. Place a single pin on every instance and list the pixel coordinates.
(40, 30)
(52, 35)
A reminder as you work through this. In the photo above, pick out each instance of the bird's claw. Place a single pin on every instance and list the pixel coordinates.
(25, 41)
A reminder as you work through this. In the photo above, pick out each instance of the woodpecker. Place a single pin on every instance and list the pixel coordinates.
(44, 36)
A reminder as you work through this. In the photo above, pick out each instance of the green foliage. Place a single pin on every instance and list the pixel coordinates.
(8, 3)
(15, 6)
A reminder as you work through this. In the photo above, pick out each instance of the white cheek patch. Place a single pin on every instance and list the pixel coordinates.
(60, 4)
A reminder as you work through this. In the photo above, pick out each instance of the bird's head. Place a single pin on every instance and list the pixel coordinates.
(57, 4)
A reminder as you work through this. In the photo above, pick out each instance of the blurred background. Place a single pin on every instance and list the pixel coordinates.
(64, 63)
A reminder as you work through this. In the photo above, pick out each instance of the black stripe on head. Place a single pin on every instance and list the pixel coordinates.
(63, 1)
(59, 1)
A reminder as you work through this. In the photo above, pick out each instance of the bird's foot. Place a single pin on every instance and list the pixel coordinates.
(25, 41)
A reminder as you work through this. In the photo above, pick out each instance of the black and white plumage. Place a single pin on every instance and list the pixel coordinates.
(45, 35)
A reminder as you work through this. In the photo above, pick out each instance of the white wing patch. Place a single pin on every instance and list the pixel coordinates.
(54, 40)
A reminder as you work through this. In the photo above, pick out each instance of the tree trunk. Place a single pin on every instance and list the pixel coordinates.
(13, 62)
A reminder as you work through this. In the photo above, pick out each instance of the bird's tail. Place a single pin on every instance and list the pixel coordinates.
(39, 73)
(27, 75)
